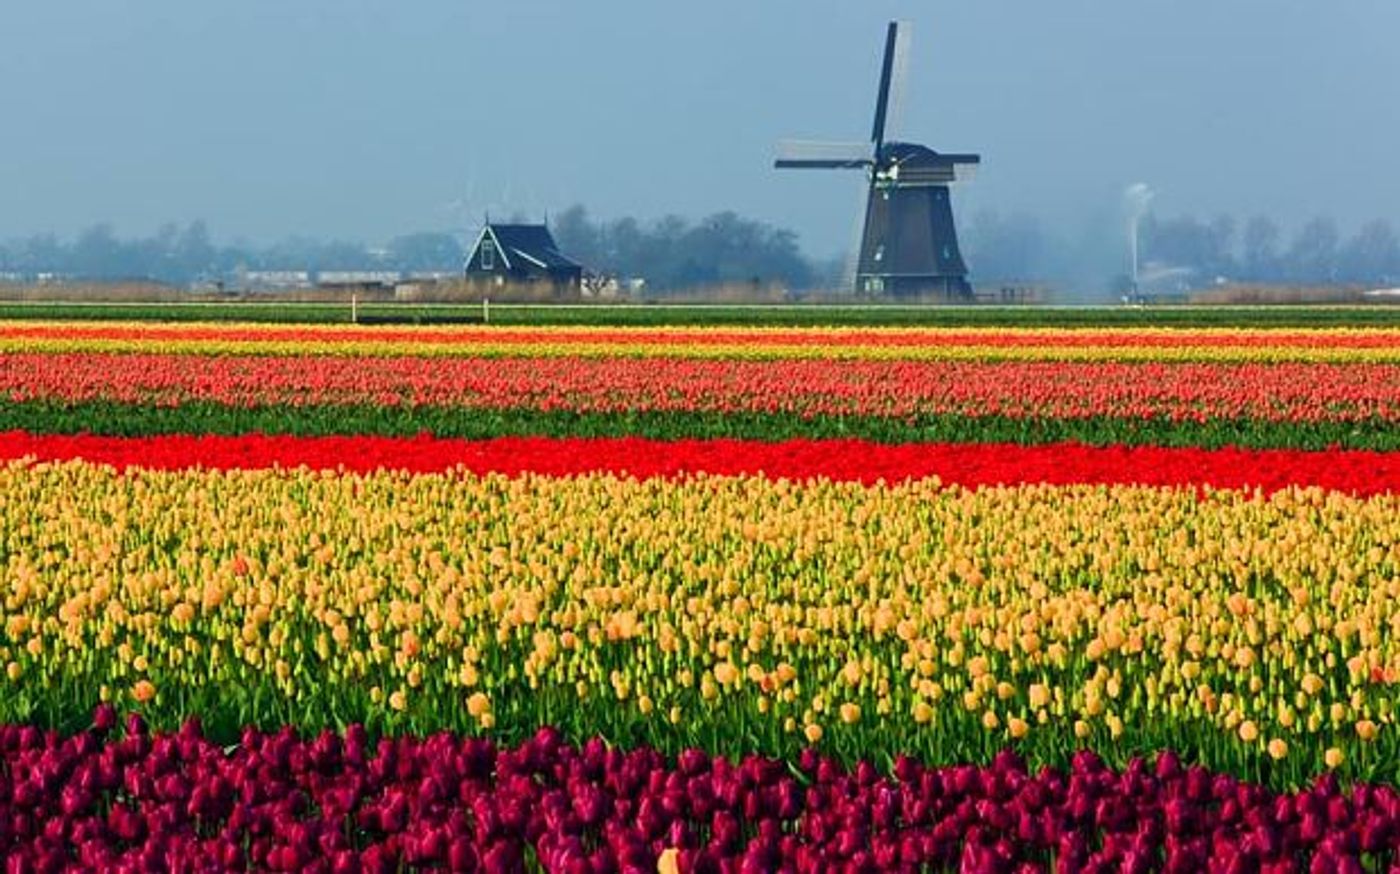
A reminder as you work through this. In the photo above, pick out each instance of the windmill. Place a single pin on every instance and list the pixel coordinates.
(908, 243)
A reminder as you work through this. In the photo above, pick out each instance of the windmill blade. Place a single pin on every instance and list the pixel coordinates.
(915, 169)
(964, 172)
(963, 166)
(899, 78)
(822, 155)
(882, 97)
(821, 165)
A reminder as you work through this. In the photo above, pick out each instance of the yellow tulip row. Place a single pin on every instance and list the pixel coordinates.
(1320, 335)
(1362, 346)
(736, 351)
(888, 615)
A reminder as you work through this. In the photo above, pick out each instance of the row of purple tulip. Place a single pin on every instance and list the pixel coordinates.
(134, 800)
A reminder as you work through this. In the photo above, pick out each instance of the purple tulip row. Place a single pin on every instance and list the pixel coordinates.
(138, 801)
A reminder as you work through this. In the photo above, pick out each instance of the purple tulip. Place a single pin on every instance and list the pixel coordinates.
(329, 804)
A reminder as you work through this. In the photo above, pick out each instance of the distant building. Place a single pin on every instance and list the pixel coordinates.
(429, 276)
(358, 280)
(521, 254)
(273, 280)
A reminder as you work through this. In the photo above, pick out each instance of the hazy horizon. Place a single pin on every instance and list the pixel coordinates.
(362, 121)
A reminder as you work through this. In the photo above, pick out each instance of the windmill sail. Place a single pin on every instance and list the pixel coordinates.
(882, 97)
(816, 154)
(899, 76)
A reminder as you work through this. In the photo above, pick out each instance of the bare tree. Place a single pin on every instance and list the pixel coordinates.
(1313, 255)
(1260, 258)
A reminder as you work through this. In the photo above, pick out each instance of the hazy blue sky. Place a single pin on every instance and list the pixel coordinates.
(366, 118)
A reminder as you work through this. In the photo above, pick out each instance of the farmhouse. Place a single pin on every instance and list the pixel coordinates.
(512, 254)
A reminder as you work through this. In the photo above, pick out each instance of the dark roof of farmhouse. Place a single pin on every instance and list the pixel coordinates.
(533, 243)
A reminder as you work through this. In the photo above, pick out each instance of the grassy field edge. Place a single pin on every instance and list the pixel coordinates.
(111, 418)
(656, 313)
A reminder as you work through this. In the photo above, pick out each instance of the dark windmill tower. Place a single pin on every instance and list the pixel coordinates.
(909, 245)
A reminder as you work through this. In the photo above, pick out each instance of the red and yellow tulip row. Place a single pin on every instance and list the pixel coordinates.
(1345, 345)
(1252, 632)
(1279, 392)
(1358, 472)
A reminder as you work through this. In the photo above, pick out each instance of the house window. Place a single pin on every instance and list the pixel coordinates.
(488, 255)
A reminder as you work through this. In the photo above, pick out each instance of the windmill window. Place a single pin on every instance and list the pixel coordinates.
(488, 255)
(879, 253)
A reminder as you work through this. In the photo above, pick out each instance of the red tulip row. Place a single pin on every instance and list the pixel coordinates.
(142, 802)
(1189, 392)
(972, 465)
(1235, 338)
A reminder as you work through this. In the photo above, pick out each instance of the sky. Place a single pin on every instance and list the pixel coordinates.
(364, 119)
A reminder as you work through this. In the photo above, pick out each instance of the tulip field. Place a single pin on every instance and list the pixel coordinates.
(594, 599)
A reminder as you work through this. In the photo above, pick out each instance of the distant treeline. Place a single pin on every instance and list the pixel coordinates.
(670, 253)
(1193, 252)
(726, 249)
(187, 255)
(1315, 254)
